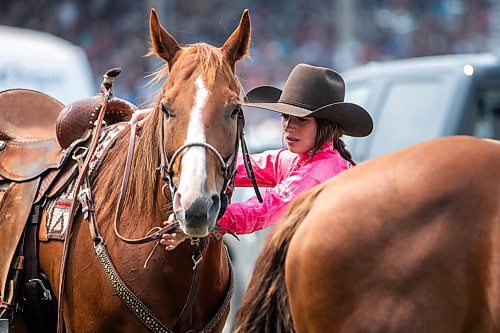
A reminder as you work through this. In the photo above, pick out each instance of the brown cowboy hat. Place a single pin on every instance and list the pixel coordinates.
(312, 91)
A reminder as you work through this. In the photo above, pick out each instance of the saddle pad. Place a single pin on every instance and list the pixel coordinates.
(58, 209)
(15, 207)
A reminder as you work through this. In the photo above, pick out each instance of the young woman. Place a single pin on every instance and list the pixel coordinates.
(314, 118)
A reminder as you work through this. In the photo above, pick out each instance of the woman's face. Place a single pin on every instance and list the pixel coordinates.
(299, 133)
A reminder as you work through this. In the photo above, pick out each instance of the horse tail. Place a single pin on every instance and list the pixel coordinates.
(265, 305)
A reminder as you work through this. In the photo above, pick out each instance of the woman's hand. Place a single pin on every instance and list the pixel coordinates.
(172, 240)
(139, 116)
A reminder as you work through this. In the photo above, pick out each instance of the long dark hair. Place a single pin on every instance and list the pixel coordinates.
(330, 131)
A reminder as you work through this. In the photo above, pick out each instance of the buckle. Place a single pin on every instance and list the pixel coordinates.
(80, 156)
(45, 291)
(196, 261)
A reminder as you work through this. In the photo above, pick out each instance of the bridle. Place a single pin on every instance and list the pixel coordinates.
(228, 170)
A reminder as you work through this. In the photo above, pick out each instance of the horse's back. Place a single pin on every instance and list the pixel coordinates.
(409, 242)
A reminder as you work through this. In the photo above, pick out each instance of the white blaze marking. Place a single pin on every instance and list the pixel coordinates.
(193, 174)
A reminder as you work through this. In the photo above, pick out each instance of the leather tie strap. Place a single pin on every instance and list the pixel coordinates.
(34, 291)
(107, 88)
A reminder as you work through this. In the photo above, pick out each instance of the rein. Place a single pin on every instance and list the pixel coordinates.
(165, 169)
(167, 175)
(119, 208)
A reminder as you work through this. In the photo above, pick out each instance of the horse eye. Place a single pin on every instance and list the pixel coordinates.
(166, 111)
(235, 112)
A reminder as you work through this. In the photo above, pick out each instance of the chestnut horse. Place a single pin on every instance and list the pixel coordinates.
(408, 242)
(198, 103)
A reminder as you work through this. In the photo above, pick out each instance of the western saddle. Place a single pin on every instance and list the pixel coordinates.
(37, 137)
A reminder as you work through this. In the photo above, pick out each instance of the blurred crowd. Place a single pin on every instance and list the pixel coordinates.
(334, 33)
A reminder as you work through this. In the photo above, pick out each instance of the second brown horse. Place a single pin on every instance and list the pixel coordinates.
(409, 242)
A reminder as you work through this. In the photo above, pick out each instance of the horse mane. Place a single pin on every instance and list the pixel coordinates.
(265, 306)
(144, 188)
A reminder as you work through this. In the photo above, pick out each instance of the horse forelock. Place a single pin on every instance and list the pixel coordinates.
(208, 59)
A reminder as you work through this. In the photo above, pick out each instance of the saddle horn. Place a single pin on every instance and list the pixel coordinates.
(76, 120)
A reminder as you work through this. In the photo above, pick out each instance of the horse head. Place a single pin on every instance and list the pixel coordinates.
(198, 108)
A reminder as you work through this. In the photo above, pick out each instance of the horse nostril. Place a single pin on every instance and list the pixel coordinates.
(204, 207)
(215, 200)
(177, 203)
(214, 209)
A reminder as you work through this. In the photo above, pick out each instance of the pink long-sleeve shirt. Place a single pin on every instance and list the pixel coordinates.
(286, 175)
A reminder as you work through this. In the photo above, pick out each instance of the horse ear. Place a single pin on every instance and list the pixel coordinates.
(238, 44)
(163, 44)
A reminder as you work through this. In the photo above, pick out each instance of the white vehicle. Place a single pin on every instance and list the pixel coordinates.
(414, 100)
(40, 61)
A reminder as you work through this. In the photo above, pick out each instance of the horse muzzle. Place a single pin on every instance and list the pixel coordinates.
(197, 217)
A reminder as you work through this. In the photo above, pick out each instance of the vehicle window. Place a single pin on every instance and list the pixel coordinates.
(412, 111)
(487, 122)
(262, 129)
(358, 93)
